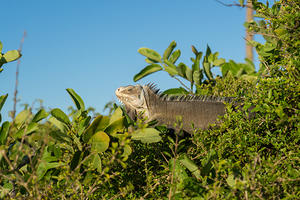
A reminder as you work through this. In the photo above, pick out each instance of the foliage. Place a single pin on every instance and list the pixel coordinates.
(195, 74)
(77, 156)
(52, 155)
(245, 158)
(9, 56)
(280, 27)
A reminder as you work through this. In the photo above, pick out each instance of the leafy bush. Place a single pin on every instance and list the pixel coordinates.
(52, 155)
(195, 74)
(59, 157)
(246, 159)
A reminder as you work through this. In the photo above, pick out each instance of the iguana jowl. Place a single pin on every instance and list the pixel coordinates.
(197, 111)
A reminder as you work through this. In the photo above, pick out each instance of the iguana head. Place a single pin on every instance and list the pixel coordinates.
(133, 97)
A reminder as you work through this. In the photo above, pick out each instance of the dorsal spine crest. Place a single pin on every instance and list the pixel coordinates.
(195, 98)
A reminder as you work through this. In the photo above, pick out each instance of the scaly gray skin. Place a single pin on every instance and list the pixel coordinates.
(194, 111)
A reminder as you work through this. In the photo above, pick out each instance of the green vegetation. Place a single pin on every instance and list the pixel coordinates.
(53, 155)
(9, 56)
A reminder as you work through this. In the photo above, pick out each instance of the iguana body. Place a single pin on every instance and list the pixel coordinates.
(193, 110)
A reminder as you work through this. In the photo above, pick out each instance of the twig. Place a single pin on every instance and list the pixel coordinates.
(17, 77)
(186, 87)
(234, 4)
(173, 170)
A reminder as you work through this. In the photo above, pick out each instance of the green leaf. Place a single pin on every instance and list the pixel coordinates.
(207, 71)
(76, 140)
(44, 167)
(181, 70)
(215, 56)
(83, 125)
(281, 31)
(11, 55)
(210, 58)
(170, 68)
(197, 77)
(60, 116)
(194, 50)
(115, 126)
(232, 67)
(99, 124)
(176, 91)
(190, 165)
(41, 114)
(76, 99)
(208, 52)
(174, 56)
(230, 180)
(23, 116)
(186, 71)
(32, 126)
(25, 130)
(269, 47)
(196, 65)
(94, 162)
(171, 71)
(99, 142)
(118, 113)
(146, 135)
(219, 62)
(2, 100)
(4, 132)
(61, 126)
(1, 46)
(150, 53)
(225, 68)
(75, 160)
(46, 163)
(251, 66)
(127, 150)
(146, 71)
(169, 50)
(61, 137)
(150, 61)
(241, 3)
(249, 77)
(6, 188)
(180, 174)
(279, 111)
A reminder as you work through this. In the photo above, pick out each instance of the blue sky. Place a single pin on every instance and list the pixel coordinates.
(91, 46)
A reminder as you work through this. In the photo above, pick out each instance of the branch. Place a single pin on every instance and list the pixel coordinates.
(234, 4)
(186, 87)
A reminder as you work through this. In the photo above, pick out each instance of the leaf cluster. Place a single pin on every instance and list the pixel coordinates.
(65, 153)
(9, 56)
(196, 75)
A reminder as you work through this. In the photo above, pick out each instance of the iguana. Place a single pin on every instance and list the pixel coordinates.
(197, 111)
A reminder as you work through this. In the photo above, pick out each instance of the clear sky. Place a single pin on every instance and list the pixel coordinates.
(91, 46)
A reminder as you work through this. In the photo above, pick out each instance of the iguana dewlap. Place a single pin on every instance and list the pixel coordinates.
(194, 111)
